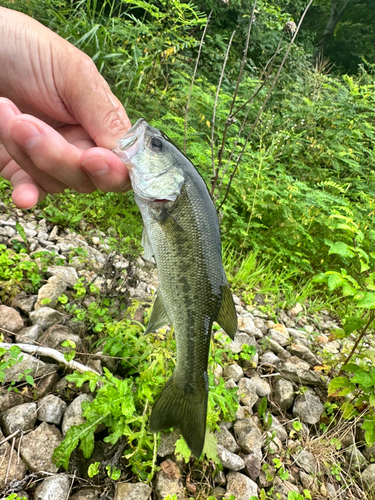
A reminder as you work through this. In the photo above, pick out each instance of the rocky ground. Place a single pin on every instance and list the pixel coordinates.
(270, 452)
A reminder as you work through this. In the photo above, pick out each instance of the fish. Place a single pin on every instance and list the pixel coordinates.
(181, 231)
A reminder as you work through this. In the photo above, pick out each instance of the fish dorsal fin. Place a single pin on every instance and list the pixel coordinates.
(227, 317)
(159, 316)
(146, 244)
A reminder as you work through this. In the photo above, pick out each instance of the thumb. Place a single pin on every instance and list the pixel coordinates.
(94, 106)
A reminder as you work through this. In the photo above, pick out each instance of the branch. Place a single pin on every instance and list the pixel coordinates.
(192, 81)
(215, 171)
(334, 18)
(360, 337)
(265, 75)
(264, 103)
(228, 122)
(50, 353)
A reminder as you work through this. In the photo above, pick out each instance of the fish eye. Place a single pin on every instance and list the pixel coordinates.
(156, 144)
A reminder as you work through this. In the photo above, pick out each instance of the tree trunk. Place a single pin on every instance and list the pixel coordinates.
(336, 14)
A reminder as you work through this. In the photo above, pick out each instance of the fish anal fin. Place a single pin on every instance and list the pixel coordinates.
(159, 316)
(227, 317)
(185, 411)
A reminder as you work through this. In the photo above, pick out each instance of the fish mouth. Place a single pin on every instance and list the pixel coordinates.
(130, 143)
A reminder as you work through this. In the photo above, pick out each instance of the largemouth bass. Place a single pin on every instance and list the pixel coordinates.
(181, 230)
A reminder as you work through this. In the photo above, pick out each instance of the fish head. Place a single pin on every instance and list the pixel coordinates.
(152, 160)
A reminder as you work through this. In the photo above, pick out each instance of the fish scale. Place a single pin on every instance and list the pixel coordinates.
(181, 230)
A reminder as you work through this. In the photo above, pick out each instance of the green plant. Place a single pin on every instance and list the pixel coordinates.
(281, 472)
(293, 495)
(353, 246)
(93, 469)
(297, 425)
(17, 272)
(70, 353)
(63, 219)
(123, 405)
(112, 472)
(14, 496)
(336, 471)
(223, 355)
(114, 405)
(7, 361)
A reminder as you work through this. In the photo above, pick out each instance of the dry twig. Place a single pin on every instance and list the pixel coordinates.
(192, 81)
(264, 103)
(50, 353)
(230, 115)
(215, 171)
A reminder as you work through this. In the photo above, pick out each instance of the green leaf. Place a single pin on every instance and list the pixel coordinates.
(88, 441)
(113, 472)
(307, 494)
(369, 282)
(369, 434)
(283, 474)
(372, 400)
(351, 367)
(15, 351)
(348, 411)
(364, 266)
(348, 290)
(21, 232)
(340, 386)
(262, 407)
(182, 450)
(320, 278)
(362, 378)
(334, 281)
(93, 469)
(69, 343)
(294, 495)
(29, 379)
(342, 249)
(210, 446)
(352, 324)
(63, 299)
(297, 426)
(76, 433)
(367, 301)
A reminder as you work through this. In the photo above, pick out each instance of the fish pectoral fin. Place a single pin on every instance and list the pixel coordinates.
(186, 411)
(166, 217)
(159, 316)
(227, 317)
(146, 244)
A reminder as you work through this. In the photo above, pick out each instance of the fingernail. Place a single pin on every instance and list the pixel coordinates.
(24, 134)
(96, 166)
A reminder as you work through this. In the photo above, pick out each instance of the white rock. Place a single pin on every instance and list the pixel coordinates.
(53, 488)
(241, 486)
(229, 460)
(73, 414)
(234, 372)
(51, 409)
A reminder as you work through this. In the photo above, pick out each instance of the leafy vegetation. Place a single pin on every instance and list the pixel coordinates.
(123, 406)
(297, 210)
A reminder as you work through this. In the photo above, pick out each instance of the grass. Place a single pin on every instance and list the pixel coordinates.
(327, 449)
(250, 275)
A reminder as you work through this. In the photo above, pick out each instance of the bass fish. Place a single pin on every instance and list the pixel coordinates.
(181, 230)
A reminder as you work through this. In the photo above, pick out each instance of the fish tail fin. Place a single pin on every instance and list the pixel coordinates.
(186, 411)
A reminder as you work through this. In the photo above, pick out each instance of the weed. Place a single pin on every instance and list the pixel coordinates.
(9, 359)
(123, 405)
(17, 272)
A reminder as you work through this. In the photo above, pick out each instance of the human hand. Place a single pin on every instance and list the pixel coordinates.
(55, 108)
